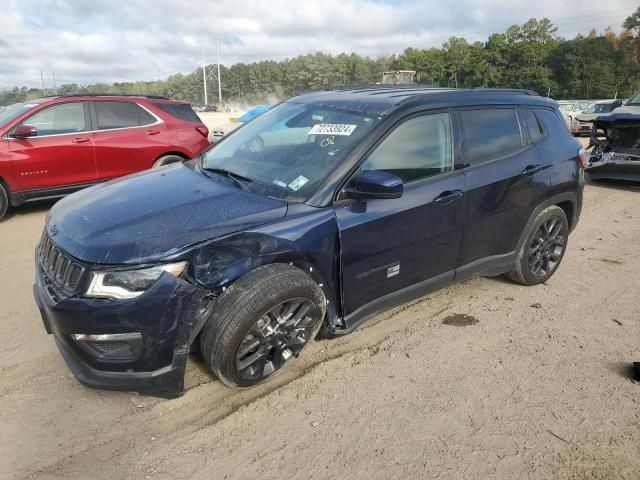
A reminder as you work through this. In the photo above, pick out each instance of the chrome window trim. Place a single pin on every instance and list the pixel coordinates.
(157, 122)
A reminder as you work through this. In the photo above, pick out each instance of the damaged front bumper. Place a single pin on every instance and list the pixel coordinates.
(617, 155)
(614, 165)
(141, 344)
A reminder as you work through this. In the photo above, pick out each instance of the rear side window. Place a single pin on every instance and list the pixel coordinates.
(489, 134)
(552, 121)
(418, 148)
(179, 111)
(121, 115)
(530, 126)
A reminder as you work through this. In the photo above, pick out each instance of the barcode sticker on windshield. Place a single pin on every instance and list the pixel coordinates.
(332, 129)
(298, 183)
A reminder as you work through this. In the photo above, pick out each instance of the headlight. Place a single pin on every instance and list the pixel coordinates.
(123, 284)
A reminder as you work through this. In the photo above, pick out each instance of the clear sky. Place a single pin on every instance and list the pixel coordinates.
(89, 41)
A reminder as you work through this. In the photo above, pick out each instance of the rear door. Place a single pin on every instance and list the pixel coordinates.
(62, 152)
(391, 245)
(506, 179)
(128, 138)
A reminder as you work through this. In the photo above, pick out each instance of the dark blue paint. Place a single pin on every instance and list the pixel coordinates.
(378, 184)
(441, 229)
(414, 232)
(149, 215)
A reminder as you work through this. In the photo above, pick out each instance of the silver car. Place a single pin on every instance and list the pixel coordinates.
(570, 109)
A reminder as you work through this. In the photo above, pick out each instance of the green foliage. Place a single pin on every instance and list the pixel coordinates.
(524, 56)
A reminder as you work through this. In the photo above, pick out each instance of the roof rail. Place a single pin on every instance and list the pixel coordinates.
(421, 86)
(508, 90)
(155, 97)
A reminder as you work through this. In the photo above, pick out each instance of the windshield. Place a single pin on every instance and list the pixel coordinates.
(14, 111)
(635, 100)
(566, 107)
(599, 108)
(289, 150)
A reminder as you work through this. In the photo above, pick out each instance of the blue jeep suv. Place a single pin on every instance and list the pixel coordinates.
(320, 213)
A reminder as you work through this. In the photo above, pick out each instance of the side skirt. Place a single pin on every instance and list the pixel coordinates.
(18, 198)
(491, 266)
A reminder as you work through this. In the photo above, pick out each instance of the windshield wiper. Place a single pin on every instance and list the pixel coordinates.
(240, 180)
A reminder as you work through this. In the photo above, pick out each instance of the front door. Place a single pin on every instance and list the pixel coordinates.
(395, 246)
(61, 154)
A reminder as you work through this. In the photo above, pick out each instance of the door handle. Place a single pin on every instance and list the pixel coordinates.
(80, 140)
(533, 169)
(448, 197)
(152, 132)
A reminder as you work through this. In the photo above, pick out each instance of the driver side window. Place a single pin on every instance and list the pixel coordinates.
(418, 148)
(57, 119)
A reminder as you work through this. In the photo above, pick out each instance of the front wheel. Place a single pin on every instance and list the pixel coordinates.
(4, 201)
(261, 323)
(543, 248)
(167, 160)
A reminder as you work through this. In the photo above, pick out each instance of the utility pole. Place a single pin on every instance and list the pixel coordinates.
(211, 74)
(44, 93)
(55, 89)
(204, 75)
(219, 78)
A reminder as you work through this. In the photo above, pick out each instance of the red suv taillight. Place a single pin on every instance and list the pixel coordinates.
(204, 131)
(582, 157)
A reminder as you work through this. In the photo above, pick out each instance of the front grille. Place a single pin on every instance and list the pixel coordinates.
(62, 271)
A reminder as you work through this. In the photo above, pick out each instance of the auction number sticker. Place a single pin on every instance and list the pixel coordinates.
(332, 129)
(298, 183)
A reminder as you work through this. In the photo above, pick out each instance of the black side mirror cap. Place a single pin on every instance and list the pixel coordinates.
(376, 184)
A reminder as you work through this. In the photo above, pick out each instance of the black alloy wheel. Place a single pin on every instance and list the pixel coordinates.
(541, 247)
(547, 247)
(275, 338)
(261, 323)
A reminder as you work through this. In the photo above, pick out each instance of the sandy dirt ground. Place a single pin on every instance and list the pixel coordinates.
(538, 387)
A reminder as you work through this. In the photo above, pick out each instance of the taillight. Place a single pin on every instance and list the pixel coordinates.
(204, 131)
(582, 157)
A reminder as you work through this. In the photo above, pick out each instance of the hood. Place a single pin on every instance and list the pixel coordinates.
(620, 117)
(153, 214)
(588, 117)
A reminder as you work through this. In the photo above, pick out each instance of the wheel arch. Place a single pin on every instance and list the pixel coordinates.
(568, 202)
(181, 154)
(220, 264)
(7, 188)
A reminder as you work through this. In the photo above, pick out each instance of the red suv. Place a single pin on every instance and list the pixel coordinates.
(53, 146)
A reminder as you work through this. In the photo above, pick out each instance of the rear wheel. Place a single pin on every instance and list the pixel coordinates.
(543, 249)
(166, 160)
(4, 201)
(261, 323)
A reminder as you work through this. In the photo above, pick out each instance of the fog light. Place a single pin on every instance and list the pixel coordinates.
(108, 337)
(110, 346)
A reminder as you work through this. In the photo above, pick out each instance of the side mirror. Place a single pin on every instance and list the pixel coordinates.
(24, 131)
(376, 184)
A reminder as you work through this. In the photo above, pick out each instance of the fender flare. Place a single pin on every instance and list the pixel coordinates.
(571, 197)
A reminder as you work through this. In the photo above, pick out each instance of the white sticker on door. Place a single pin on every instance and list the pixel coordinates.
(332, 129)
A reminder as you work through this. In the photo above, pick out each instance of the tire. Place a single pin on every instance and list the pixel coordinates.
(4, 201)
(543, 248)
(254, 329)
(166, 160)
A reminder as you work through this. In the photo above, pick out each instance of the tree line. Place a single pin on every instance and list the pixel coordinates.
(531, 56)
